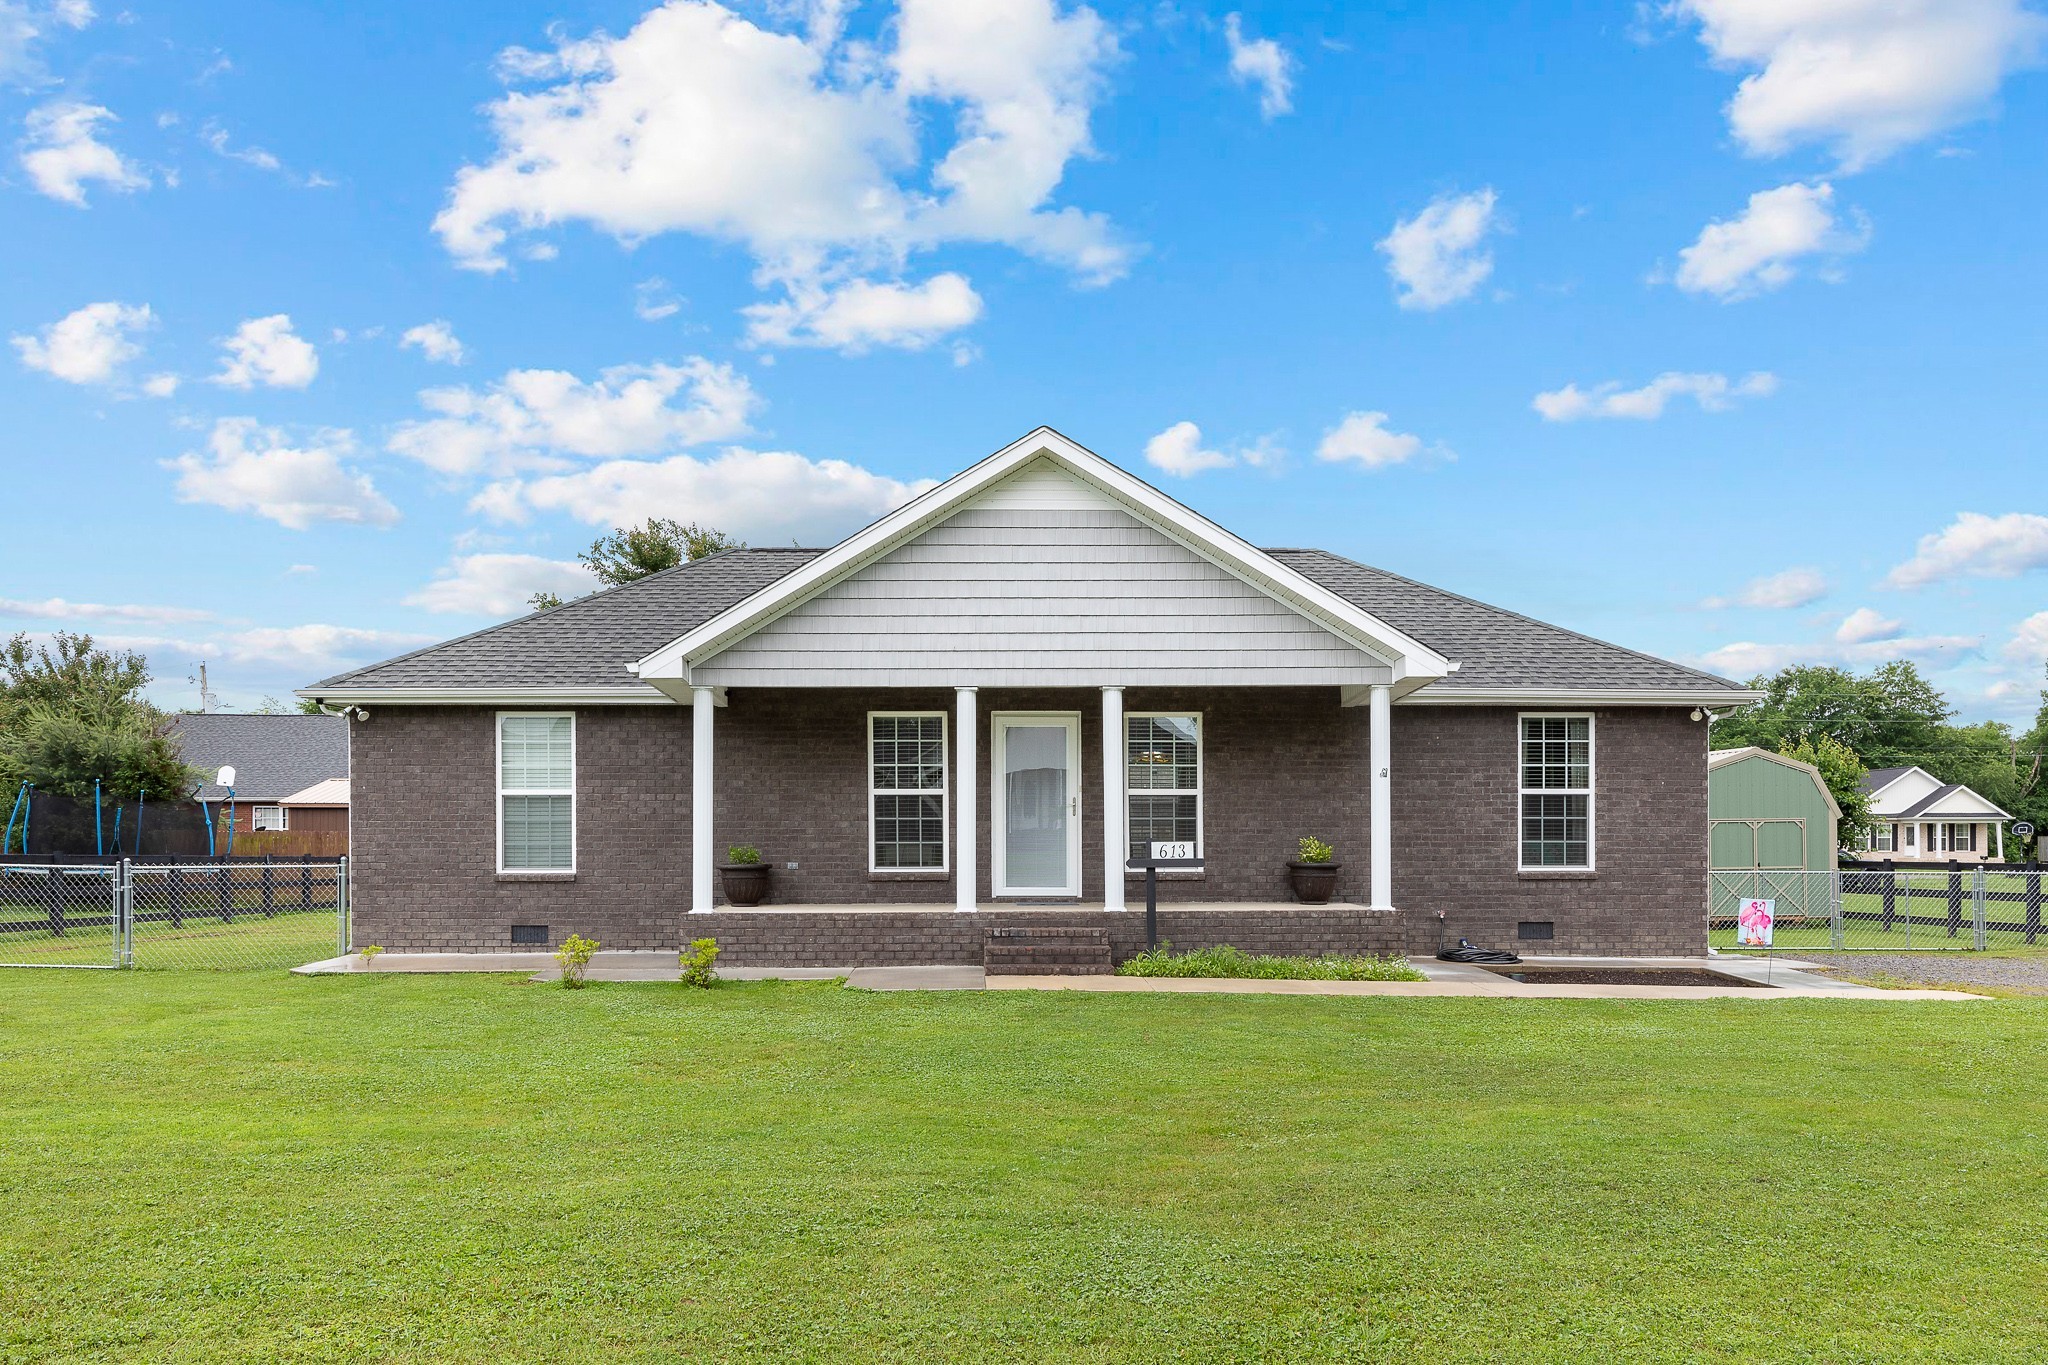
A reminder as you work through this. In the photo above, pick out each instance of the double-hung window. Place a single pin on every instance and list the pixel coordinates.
(267, 818)
(907, 786)
(1881, 839)
(1557, 792)
(1163, 779)
(536, 791)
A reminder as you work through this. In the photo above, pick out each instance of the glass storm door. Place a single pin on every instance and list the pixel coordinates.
(1038, 806)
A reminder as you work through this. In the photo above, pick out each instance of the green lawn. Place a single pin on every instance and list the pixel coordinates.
(208, 1167)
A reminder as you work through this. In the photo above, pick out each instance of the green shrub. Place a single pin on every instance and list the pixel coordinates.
(574, 955)
(742, 855)
(369, 953)
(1226, 961)
(1314, 850)
(697, 960)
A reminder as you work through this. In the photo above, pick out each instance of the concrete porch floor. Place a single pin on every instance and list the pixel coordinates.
(1787, 978)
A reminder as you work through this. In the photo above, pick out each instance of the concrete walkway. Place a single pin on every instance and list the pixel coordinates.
(1785, 978)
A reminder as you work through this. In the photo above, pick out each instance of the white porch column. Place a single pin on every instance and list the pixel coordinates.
(2000, 827)
(965, 874)
(1382, 798)
(1115, 838)
(702, 708)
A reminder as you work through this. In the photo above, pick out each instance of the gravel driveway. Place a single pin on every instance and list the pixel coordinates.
(2027, 975)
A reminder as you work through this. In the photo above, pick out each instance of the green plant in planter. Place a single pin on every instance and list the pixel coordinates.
(742, 855)
(1313, 850)
(697, 960)
(574, 955)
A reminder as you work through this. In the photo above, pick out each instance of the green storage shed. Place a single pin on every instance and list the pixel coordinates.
(1767, 811)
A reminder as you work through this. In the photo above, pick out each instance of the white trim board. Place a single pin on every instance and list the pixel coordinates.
(1412, 662)
(511, 696)
(1575, 696)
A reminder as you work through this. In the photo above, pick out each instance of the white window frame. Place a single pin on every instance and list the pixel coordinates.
(1883, 837)
(1589, 791)
(498, 783)
(1201, 772)
(944, 789)
(284, 820)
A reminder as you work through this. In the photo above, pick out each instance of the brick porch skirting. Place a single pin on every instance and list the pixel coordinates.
(882, 938)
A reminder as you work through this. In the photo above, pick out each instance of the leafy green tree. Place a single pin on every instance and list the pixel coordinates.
(1844, 772)
(1890, 717)
(72, 712)
(633, 552)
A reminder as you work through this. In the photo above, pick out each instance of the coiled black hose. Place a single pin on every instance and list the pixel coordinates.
(1465, 952)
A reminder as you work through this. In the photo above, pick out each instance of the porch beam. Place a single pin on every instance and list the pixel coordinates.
(702, 708)
(1379, 747)
(1115, 839)
(965, 873)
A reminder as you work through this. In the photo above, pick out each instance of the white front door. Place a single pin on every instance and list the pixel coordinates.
(1037, 805)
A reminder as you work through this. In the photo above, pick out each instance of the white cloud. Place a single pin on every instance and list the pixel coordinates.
(1179, 451)
(161, 385)
(1866, 624)
(1746, 659)
(1864, 77)
(63, 154)
(312, 645)
(860, 314)
(88, 346)
(766, 496)
(1362, 438)
(1713, 393)
(58, 609)
(1436, 257)
(1780, 591)
(266, 351)
(216, 137)
(2029, 643)
(500, 584)
(1737, 258)
(251, 468)
(826, 159)
(436, 340)
(23, 28)
(653, 300)
(1976, 546)
(1261, 63)
(531, 419)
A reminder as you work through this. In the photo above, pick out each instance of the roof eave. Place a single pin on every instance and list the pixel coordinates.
(1582, 696)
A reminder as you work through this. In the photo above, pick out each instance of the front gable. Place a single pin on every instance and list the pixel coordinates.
(1904, 792)
(1043, 565)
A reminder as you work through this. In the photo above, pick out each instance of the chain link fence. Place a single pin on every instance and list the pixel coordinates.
(216, 916)
(1901, 909)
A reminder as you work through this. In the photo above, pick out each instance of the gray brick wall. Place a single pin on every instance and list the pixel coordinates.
(792, 778)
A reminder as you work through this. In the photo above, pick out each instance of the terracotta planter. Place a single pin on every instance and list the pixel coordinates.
(1313, 883)
(745, 883)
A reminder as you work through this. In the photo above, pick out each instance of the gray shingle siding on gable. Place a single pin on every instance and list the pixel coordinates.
(586, 643)
(1000, 596)
(273, 756)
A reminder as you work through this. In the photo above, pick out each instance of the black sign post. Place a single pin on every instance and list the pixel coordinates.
(1155, 859)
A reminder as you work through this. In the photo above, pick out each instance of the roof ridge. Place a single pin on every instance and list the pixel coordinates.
(606, 591)
(1519, 616)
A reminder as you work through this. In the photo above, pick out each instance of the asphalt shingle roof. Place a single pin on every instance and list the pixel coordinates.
(273, 756)
(587, 642)
(1493, 647)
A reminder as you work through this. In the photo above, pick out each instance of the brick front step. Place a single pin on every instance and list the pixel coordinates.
(1052, 950)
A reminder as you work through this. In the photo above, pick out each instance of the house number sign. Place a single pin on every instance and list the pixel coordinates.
(1178, 851)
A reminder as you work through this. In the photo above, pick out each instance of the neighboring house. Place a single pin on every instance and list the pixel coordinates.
(1765, 810)
(1920, 818)
(291, 771)
(984, 702)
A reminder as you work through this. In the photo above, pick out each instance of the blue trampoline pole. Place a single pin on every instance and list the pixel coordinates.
(13, 814)
(99, 843)
(206, 813)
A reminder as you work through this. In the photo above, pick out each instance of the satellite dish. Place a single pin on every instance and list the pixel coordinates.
(227, 776)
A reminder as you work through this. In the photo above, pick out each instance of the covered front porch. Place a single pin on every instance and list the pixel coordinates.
(995, 800)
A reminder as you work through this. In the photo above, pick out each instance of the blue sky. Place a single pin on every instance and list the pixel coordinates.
(1711, 328)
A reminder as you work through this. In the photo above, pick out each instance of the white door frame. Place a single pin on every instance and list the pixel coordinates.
(998, 795)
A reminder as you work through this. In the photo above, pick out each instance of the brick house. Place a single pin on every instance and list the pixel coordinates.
(965, 716)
